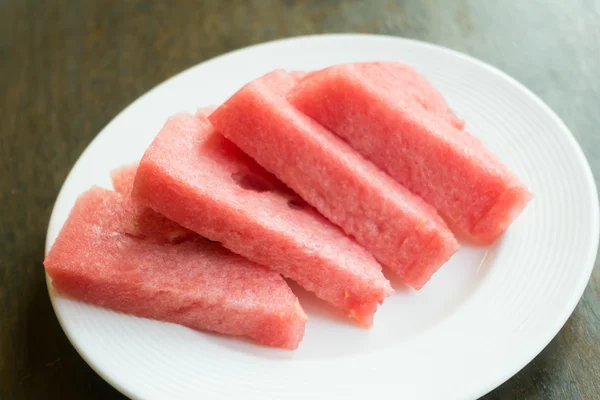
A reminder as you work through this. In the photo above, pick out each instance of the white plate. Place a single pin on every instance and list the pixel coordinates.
(485, 315)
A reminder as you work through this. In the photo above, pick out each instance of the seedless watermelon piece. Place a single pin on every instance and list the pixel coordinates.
(397, 227)
(196, 177)
(145, 222)
(376, 112)
(196, 284)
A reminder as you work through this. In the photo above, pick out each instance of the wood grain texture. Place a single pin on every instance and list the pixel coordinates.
(68, 67)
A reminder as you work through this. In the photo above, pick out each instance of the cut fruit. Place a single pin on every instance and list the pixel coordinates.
(199, 179)
(397, 227)
(390, 122)
(196, 284)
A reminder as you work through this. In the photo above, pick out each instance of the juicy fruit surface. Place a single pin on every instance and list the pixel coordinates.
(196, 283)
(145, 222)
(396, 226)
(195, 176)
(398, 124)
(392, 77)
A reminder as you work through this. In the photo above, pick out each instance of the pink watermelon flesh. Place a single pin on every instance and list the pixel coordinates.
(397, 227)
(145, 222)
(196, 177)
(196, 284)
(384, 114)
(391, 75)
(122, 178)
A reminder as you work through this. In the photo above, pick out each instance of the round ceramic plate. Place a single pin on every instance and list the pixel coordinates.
(482, 317)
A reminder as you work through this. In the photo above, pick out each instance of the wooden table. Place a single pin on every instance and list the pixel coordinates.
(68, 67)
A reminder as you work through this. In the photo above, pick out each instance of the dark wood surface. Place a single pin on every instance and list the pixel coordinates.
(68, 67)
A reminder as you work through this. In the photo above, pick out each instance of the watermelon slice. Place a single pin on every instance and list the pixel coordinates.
(196, 177)
(385, 115)
(397, 227)
(196, 284)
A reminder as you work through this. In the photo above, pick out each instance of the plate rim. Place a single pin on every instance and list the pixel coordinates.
(590, 258)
